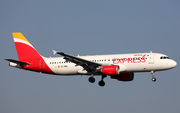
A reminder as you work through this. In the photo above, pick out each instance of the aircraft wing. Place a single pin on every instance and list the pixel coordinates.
(17, 62)
(86, 64)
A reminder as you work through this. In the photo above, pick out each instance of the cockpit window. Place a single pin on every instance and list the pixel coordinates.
(164, 57)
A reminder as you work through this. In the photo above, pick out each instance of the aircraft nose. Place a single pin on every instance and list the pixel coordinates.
(173, 64)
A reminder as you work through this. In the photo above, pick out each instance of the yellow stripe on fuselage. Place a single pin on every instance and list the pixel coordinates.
(19, 35)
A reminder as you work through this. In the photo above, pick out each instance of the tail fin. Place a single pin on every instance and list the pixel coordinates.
(24, 49)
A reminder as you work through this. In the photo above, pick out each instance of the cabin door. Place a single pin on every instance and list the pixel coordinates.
(151, 59)
(41, 64)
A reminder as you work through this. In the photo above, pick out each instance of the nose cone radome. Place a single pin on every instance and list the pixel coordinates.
(173, 64)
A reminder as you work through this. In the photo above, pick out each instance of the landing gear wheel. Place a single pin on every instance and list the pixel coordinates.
(101, 83)
(91, 79)
(154, 79)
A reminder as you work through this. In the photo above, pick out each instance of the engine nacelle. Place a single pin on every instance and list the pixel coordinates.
(124, 77)
(110, 70)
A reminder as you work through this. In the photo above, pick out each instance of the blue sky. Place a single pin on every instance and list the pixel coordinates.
(90, 28)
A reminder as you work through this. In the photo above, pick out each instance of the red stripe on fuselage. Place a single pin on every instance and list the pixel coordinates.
(28, 54)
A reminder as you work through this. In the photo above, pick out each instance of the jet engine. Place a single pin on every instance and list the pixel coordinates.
(109, 70)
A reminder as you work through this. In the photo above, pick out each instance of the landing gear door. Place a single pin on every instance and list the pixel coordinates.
(151, 59)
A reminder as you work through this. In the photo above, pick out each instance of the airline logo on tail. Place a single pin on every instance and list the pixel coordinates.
(29, 58)
(24, 49)
(18, 37)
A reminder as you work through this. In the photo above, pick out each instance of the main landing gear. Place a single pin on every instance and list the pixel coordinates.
(153, 78)
(91, 79)
(101, 82)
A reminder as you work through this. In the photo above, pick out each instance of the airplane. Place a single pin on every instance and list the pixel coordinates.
(118, 66)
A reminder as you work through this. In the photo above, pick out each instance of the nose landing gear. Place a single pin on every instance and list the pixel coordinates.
(153, 78)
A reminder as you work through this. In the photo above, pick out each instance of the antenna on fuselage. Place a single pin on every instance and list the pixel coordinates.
(150, 51)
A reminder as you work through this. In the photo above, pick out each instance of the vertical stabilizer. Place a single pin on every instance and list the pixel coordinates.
(29, 58)
(24, 49)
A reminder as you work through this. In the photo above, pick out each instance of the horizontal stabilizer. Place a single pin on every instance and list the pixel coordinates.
(17, 62)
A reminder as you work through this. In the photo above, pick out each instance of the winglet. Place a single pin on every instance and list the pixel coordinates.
(54, 52)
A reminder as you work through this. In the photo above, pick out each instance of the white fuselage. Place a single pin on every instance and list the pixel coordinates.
(138, 62)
